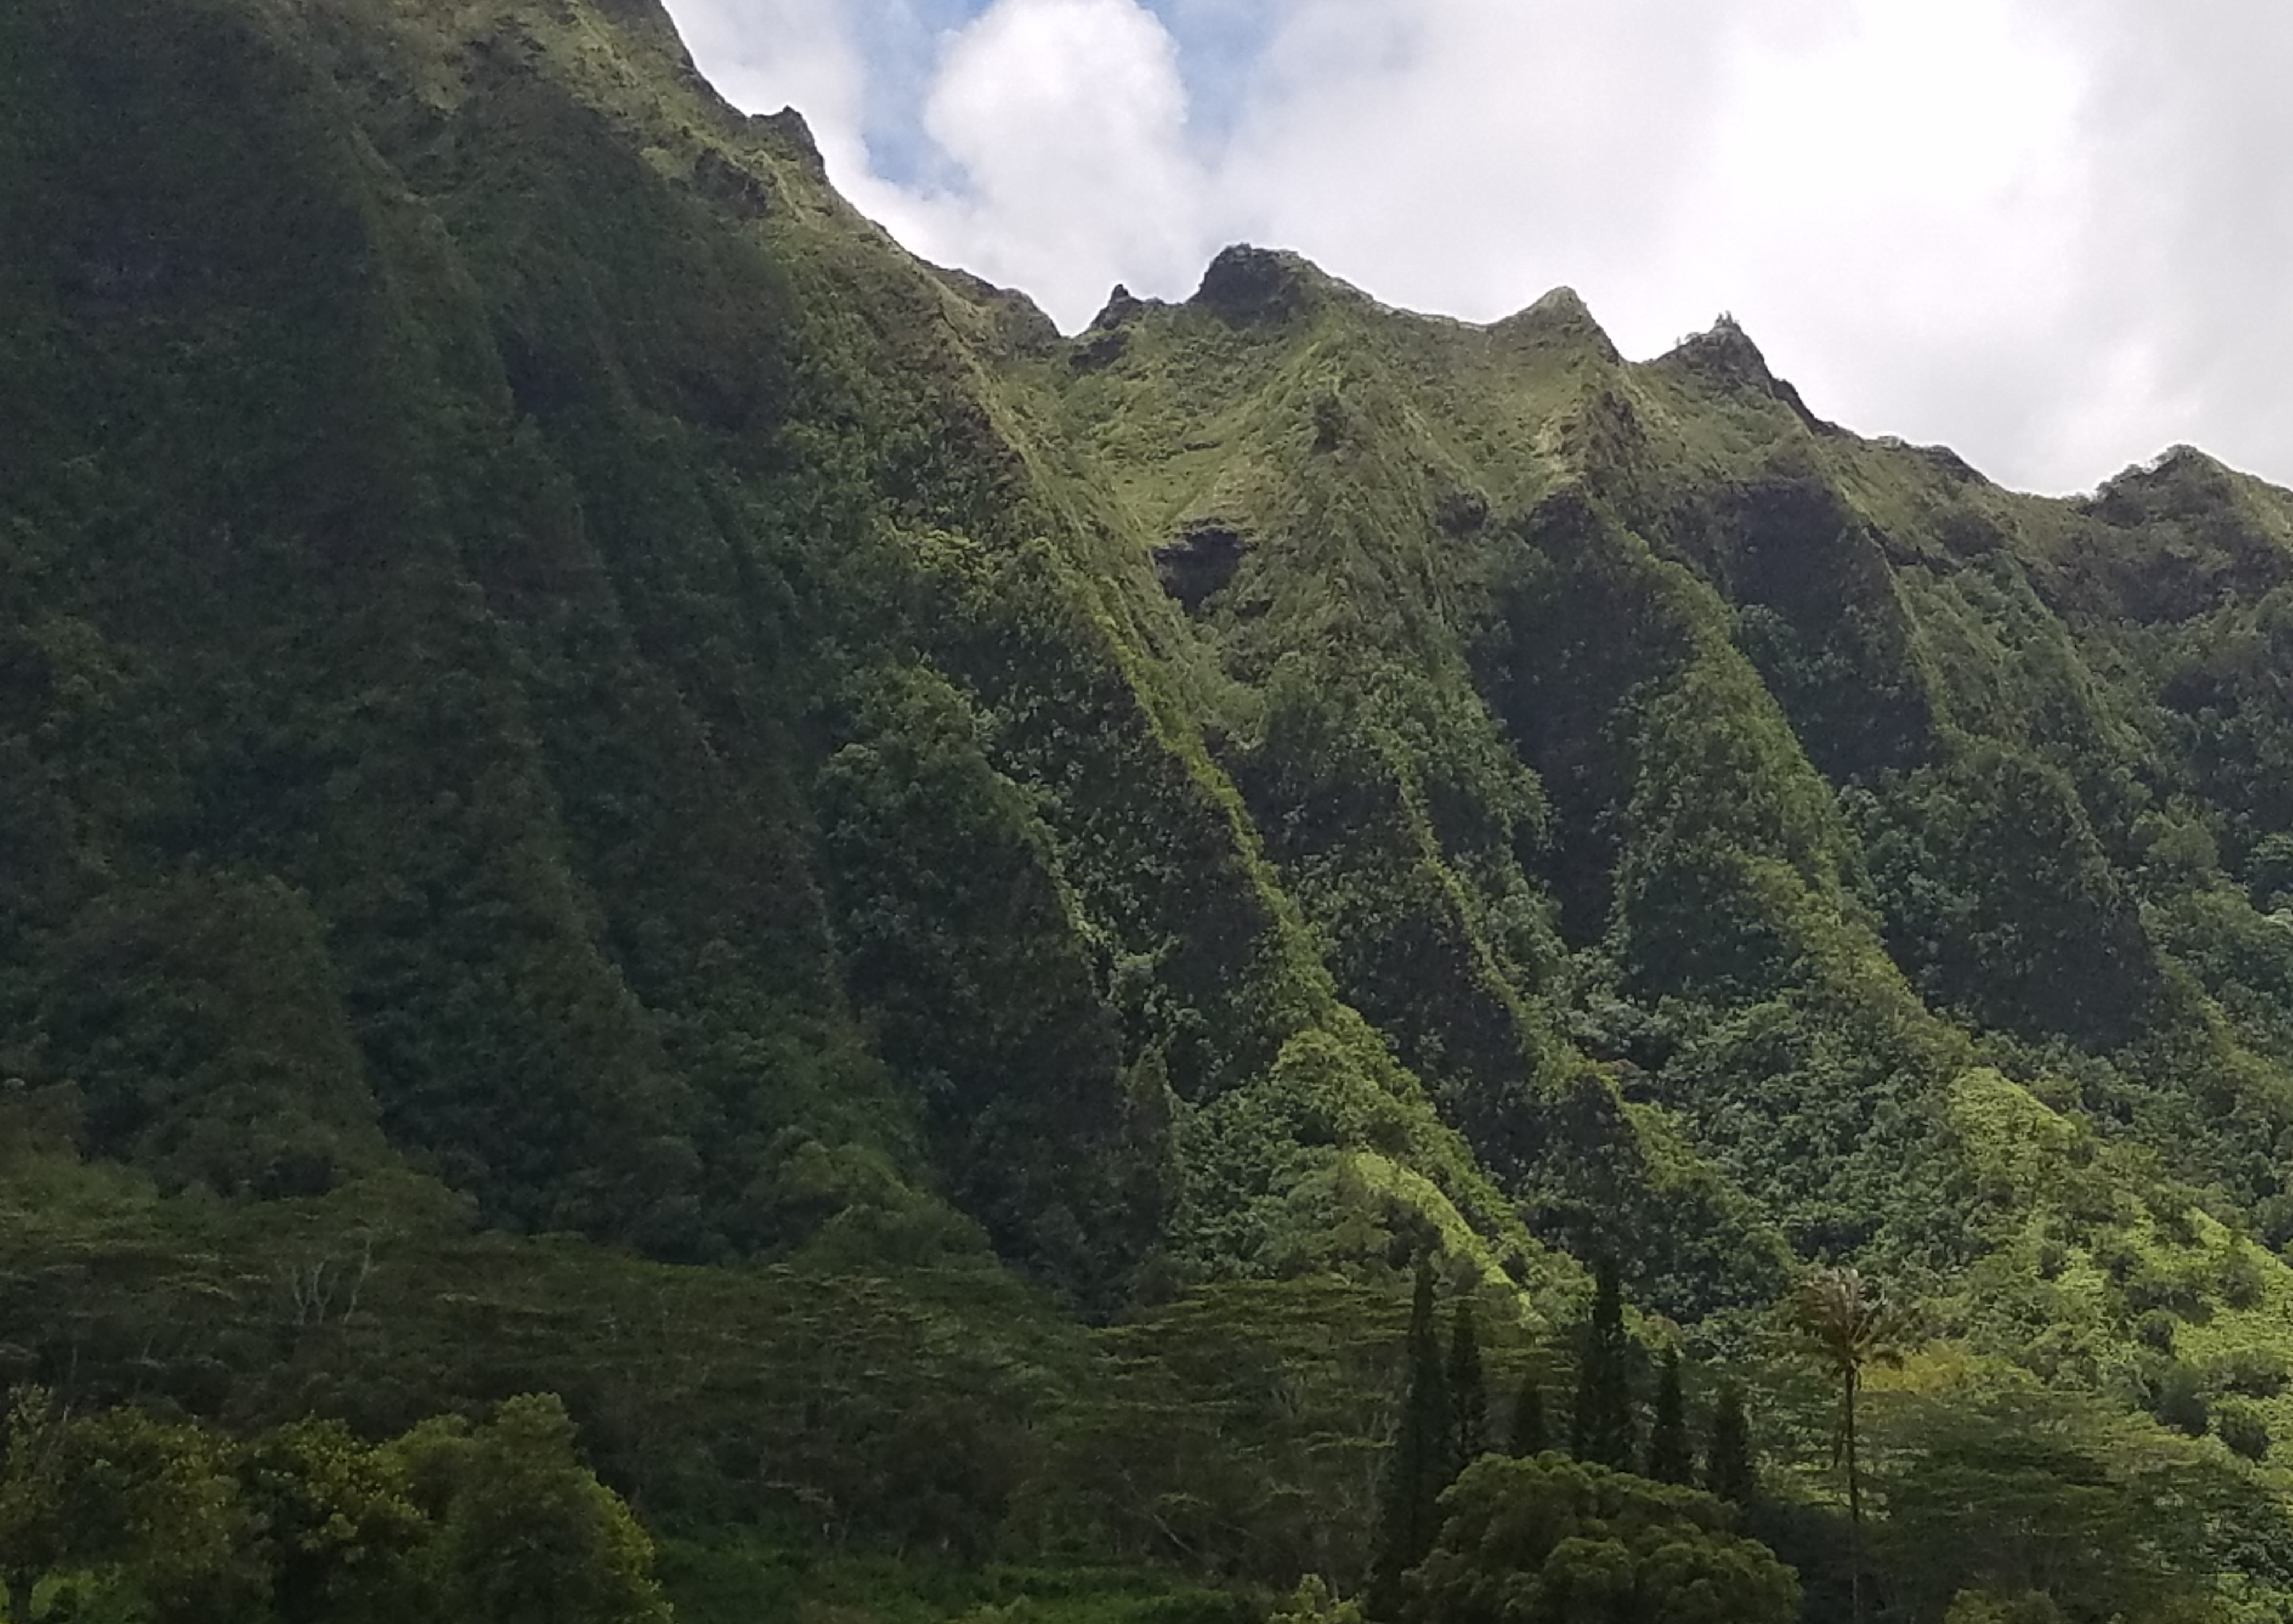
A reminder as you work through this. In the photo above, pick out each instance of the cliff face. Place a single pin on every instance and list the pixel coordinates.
(536, 645)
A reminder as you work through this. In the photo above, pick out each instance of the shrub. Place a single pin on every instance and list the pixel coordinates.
(2155, 1329)
(2240, 1427)
(2244, 1278)
(2255, 1373)
(2178, 1400)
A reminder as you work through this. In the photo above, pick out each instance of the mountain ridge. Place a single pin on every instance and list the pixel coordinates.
(570, 706)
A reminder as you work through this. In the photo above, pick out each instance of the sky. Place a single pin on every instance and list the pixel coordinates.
(2056, 237)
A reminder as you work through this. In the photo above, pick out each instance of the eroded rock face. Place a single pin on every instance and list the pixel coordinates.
(1199, 563)
(1255, 286)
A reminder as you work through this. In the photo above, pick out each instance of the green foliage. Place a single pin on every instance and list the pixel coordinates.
(307, 1523)
(1313, 1604)
(1529, 1434)
(1671, 1459)
(342, 1535)
(2018, 1493)
(2243, 1429)
(1730, 1470)
(1554, 1540)
(1601, 1426)
(1468, 1387)
(2000, 900)
(1424, 1460)
(525, 1532)
(535, 649)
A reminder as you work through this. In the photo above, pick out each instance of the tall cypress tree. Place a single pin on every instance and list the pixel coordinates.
(1423, 1461)
(1469, 1392)
(1728, 1470)
(1601, 1432)
(1528, 1433)
(1670, 1458)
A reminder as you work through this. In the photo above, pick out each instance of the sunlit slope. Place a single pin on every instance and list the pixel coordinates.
(1844, 766)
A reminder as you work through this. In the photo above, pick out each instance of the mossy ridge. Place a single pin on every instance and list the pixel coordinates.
(679, 489)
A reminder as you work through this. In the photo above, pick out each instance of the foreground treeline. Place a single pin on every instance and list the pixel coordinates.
(1929, 1488)
(770, 1424)
(118, 1514)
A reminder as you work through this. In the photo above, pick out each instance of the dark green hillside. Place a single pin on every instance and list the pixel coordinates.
(608, 785)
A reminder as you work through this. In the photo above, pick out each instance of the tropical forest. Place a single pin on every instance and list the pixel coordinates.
(695, 924)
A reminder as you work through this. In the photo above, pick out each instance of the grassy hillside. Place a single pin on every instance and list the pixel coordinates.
(607, 784)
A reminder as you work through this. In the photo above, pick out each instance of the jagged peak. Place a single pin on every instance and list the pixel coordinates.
(788, 130)
(1122, 307)
(1253, 285)
(2181, 461)
(1724, 357)
(1723, 353)
(2180, 477)
(1560, 304)
(1557, 318)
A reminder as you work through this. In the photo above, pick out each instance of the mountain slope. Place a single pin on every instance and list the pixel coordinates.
(545, 664)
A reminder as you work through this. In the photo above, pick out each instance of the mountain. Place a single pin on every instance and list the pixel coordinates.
(608, 783)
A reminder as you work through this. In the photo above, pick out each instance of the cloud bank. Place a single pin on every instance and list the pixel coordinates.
(2057, 240)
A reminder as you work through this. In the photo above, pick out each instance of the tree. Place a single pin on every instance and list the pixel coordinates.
(1314, 1602)
(1601, 1432)
(1847, 1324)
(528, 1535)
(1729, 1470)
(1529, 1437)
(1554, 1541)
(341, 1536)
(1469, 1392)
(38, 1529)
(1424, 1456)
(1670, 1459)
(119, 1491)
(2010, 1495)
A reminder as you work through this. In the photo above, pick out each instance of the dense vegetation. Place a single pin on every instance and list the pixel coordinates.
(1061, 976)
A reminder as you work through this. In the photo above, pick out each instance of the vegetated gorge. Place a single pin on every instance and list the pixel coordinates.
(691, 918)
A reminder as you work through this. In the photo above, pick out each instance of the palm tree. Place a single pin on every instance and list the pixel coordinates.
(1847, 1324)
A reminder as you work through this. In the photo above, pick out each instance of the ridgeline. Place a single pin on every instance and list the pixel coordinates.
(610, 787)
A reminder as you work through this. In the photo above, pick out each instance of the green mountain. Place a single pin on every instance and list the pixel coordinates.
(609, 784)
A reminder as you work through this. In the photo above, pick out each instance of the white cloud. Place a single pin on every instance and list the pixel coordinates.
(763, 55)
(2193, 126)
(1897, 207)
(1467, 155)
(2054, 239)
(1069, 122)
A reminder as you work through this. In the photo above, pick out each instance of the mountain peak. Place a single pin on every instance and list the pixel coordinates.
(1724, 357)
(1723, 354)
(1121, 306)
(1251, 286)
(787, 130)
(1558, 319)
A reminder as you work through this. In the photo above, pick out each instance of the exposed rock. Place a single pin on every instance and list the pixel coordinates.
(1724, 355)
(1200, 562)
(1121, 306)
(124, 268)
(787, 130)
(1251, 286)
(1789, 395)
